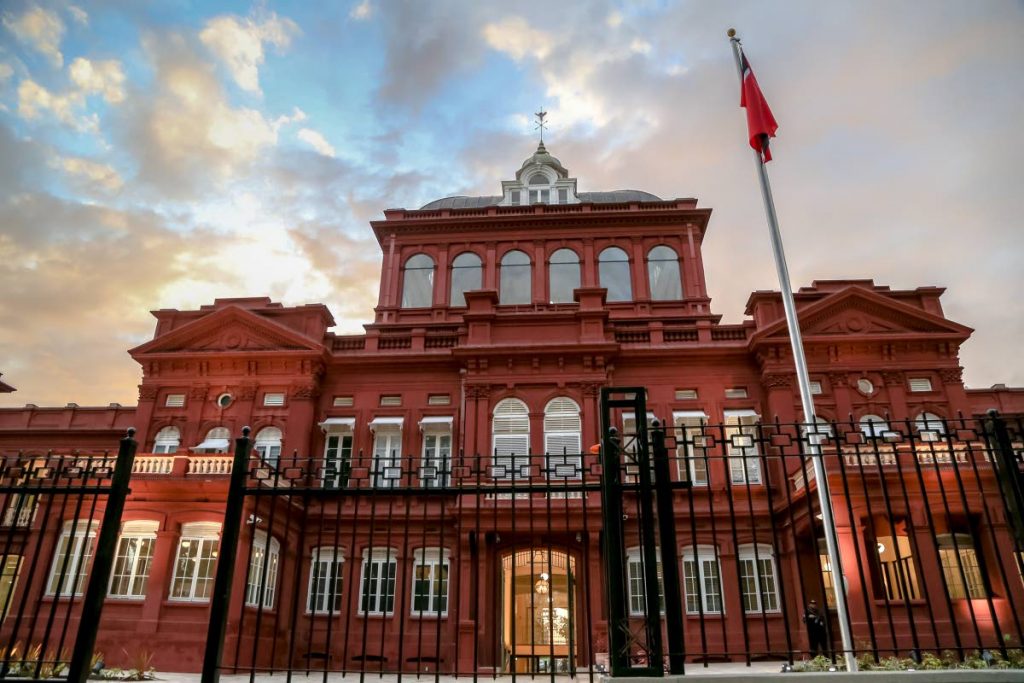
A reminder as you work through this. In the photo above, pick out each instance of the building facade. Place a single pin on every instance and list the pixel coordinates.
(498, 322)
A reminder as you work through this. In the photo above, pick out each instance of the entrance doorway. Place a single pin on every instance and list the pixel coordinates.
(538, 615)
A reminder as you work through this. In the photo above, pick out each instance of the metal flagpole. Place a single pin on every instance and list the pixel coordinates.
(806, 398)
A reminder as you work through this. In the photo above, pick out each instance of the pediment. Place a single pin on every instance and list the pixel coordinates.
(859, 312)
(229, 330)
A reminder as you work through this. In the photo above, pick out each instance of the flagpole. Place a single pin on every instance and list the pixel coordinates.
(806, 398)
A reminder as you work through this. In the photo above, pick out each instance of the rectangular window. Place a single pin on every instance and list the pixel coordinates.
(757, 579)
(691, 454)
(439, 399)
(514, 197)
(133, 560)
(378, 583)
(702, 581)
(827, 577)
(430, 583)
(686, 394)
(337, 461)
(195, 562)
(175, 400)
(71, 561)
(391, 399)
(258, 583)
(815, 387)
(276, 399)
(436, 461)
(920, 384)
(343, 401)
(563, 196)
(325, 581)
(637, 584)
(545, 196)
(959, 565)
(8, 583)
(20, 509)
(741, 446)
(630, 464)
(736, 392)
(387, 458)
(533, 196)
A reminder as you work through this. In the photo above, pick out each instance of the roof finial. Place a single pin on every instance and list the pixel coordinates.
(541, 124)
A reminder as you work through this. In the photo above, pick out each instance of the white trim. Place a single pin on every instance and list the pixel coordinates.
(386, 423)
(338, 424)
(689, 414)
(436, 422)
(631, 416)
(746, 412)
(213, 443)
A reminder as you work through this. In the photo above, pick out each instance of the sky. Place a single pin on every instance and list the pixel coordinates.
(162, 154)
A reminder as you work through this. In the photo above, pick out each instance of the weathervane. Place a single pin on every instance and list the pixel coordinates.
(541, 124)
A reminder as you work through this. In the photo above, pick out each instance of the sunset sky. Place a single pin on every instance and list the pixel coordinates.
(162, 154)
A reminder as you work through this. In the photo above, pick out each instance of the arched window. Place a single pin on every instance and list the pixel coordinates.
(268, 445)
(663, 273)
(167, 440)
(562, 427)
(510, 432)
(418, 282)
(217, 440)
(537, 194)
(539, 179)
(563, 276)
(873, 425)
(930, 426)
(613, 271)
(467, 276)
(515, 278)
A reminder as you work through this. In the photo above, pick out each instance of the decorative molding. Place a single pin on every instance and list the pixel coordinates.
(304, 390)
(147, 393)
(839, 379)
(951, 375)
(198, 393)
(246, 392)
(591, 389)
(777, 381)
(893, 379)
(478, 391)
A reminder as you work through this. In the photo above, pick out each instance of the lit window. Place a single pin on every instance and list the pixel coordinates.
(268, 445)
(563, 276)
(377, 593)
(515, 278)
(930, 426)
(71, 561)
(167, 440)
(959, 565)
(637, 586)
(263, 546)
(273, 399)
(194, 565)
(8, 582)
(920, 384)
(757, 578)
(663, 274)
(175, 400)
(613, 273)
(510, 439)
(435, 462)
(563, 440)
(691, 454)
(430, 582)
(873, 426)
(702, 580)
(387, 451)
(217, 441)
(741, 446)
(325, 581)
(133, 559)
(897, 566)
(827, 577)
(418, 282)
(467, 276)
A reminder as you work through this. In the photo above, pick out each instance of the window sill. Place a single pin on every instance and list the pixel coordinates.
(706, 615)
(128, 599)
(426, 616)
(375, 615)
(171, 602)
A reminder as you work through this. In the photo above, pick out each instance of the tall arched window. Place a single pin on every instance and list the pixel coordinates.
(268, 445)
(510, 431)
(418, 282)
(217, 440)
(873, 425)
(515, 278)
(930, 426)
(663, 274)
(562, 427)
(613, 271)
(563, 276)
(538, 190)
(167, 440)
(467, 276)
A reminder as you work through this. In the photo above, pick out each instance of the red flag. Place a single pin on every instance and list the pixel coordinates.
(760, 122)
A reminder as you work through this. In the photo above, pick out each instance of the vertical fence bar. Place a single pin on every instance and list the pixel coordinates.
(669, 552)
(103, 561)
(226, 560)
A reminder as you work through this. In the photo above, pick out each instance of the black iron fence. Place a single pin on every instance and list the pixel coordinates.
(458, 564)
(59, 526)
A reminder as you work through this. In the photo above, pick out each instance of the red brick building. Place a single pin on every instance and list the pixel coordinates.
(498, 321)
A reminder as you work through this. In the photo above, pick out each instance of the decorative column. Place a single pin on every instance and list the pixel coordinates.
(896, 388)
(302, 395)
(144, 415)
(780, 397)
(840, 383)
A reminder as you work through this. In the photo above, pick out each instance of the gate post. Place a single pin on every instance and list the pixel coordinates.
(669, 553)
(1011, 480)
(106, 545)
(221, 599)
(611, 513)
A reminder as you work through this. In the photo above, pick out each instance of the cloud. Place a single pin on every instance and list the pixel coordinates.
(516, 38)
(316, 141)
(80, 16)
(6, 71)
(238, 42)
(40, 29)
(34, 100)
(100, 77)
(93, 175)
(362, 11)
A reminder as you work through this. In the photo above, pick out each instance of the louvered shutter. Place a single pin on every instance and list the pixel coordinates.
(511, 432)
(562, 428)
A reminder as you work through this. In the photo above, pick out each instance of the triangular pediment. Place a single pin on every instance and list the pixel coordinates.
(229, 330)
(856, 311)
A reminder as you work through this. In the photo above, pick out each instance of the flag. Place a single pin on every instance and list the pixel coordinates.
(760, 122)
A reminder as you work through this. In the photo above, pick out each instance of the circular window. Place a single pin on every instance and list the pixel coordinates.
(865, 386)
(224, 400)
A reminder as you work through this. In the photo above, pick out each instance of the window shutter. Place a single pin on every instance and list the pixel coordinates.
(273, 399)
(562, 427)
(175, 400)
(511, 428)
(920, 384)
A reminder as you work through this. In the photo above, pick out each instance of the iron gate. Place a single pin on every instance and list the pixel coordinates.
(59, 525)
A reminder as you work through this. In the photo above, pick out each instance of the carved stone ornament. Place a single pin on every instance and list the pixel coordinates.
(478, 390)
(952, 375)
(839, 379)
(591, 389)
(305, 390)
(777, 381)
(147, 393)
(893, 378)
(246, 392)
(198, 393)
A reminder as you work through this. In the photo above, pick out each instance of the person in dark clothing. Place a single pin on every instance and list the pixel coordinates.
(816, 632)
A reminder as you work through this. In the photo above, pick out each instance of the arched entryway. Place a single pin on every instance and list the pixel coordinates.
(538, 614)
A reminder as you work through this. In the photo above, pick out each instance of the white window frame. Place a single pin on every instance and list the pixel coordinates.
(611, 272)
(866, 425)
(920, 385)
(374, 594)
(78, 537)
(132, 539)
(433, 560)
(757, 563)
(268, 444)
(929, 426)
(207, 537)
(219, 435)
(174, 401)
(260, 550)
(636, 583)
(339, 438)
(418, 288)
(959, 561)
(9, 573)
(705, 558)
(327, 564)
(513, 277)
(741, 446)
(167, 440)
(563, 439)
(273, 399)
(387, 451)
(436, 452)
(691, 463)
(628, 436)
(655, 274)
(510, 439)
